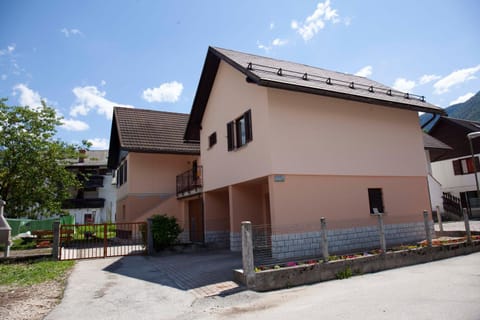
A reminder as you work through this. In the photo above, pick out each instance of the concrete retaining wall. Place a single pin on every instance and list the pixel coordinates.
(305, 274)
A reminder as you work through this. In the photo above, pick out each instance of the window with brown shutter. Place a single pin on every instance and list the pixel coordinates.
(212, 140)
(465, 166)
(230, 136)
(239, 132)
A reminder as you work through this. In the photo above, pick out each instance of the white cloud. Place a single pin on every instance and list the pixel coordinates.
(404, 85)
(27, 97)
(99, 143)
(463, 98)
(8, 50)
(272, 25)
(74, 125)
(428, 78)
(71, 32)
(90, 98)
(316, 21)
(166, 92)
(456, 77)
(279, 42)
(263, 47)
(364, 72)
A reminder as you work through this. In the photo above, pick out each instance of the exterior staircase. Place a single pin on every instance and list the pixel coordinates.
(452, 207)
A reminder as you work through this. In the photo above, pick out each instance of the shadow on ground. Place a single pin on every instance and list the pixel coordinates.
(205, 273)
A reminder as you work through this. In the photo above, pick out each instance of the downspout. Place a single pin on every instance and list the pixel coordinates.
(429, 120)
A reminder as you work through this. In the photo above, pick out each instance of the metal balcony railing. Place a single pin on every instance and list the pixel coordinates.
(190, 182)
(83, 203)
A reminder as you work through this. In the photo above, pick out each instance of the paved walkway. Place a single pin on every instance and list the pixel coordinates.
(459, 226)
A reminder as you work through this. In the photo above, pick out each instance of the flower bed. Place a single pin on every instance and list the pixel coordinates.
(295, 273)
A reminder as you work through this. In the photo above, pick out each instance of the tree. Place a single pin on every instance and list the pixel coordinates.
(33, 177)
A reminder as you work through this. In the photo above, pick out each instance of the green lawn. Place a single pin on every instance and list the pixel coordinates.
(33, 271)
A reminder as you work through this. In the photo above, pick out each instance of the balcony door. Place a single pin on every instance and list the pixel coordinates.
(195, 218)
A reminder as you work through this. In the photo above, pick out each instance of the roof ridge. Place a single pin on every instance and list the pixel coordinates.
(149, 110)
(463, 120)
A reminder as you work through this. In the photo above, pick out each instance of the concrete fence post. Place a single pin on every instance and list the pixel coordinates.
(381, 229)
(439, 218)
(56, 240)
(324, 239)
(5, 231)
(467, 226)
(427, 228)
(247, 254)
(150, 248)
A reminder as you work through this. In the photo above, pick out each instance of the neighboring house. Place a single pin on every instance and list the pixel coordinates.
(454, 168)
(95, 201)
(284, 144)
(434, 147)
(148, 152)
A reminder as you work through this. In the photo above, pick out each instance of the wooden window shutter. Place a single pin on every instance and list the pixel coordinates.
(230, 135)
(248, 126)
(457, 167)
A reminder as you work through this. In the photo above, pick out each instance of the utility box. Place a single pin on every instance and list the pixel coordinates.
(5, 231)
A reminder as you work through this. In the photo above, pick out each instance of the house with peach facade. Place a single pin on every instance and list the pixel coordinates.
(147, 152)
(283, 144)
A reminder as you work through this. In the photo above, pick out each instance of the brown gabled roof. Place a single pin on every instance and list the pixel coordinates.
(297, 77)
(140, 130)
(430, 143)
(453, 132)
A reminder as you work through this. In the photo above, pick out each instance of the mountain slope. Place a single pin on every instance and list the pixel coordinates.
(468, 110)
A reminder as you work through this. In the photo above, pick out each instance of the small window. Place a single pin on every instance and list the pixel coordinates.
(212, 140)
(465, 166)
(122, 174)
(88, 218)
(375, 199)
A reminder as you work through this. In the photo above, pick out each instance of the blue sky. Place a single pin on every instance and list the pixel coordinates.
(84, 57)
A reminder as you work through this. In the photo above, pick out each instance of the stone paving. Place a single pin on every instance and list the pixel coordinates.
(202, 274)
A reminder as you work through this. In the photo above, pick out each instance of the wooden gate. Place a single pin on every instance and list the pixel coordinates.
(87, 241)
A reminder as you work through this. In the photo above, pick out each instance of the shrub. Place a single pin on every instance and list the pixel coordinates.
(165, 231)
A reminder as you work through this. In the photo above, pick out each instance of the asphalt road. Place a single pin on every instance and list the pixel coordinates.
(157, 288)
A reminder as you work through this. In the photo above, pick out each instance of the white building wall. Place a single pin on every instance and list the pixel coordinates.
(109, 193)
(442, 171)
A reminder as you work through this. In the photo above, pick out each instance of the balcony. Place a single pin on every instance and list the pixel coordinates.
(83, 203)
(190, 182)
(95, 181)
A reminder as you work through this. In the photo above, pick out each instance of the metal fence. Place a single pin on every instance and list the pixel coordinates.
(86, 241)
(280, 244)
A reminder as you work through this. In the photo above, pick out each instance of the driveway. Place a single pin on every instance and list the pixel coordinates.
(198, 286)
(143, 287)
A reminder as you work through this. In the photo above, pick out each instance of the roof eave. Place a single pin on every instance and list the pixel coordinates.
(295, 87)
